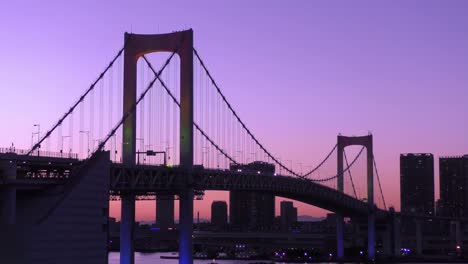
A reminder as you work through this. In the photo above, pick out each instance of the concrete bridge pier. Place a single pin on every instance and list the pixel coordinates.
(458, 234)
(127, 222)
(339, 237)
(8, 194)
(136, 45)
(371, 235)
(186, 227)
(339, 217)
(8, 206)
(418, 237)
(392, 242)
(365, 141)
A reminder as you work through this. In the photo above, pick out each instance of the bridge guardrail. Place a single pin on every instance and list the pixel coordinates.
(40, 153)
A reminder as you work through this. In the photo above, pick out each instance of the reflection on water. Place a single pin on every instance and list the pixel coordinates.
(151, 258)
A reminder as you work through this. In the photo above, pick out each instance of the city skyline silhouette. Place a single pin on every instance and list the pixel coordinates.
(396, 70)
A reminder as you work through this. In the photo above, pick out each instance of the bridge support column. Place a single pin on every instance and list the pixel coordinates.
(339, 217)
(8, 195)
(180, 42)
(365, 141)
(8, 206)
(370, 199)
(186, 227)
(339, 237)
(397, 236)
(127, 223)
(458, 235)
(371, 236)
(392, 236)
(387, 238)
(418, 237)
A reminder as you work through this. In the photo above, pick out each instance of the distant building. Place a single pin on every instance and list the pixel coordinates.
(288, 215)
(453, 173)
(417, 183)
(219, 214)
(251, 210)
(165, 211)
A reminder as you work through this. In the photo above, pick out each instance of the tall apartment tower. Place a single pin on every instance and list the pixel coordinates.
(288, 215)
(165, 211)
(251, 210)
(453, 176)
(219, 214)
(417, 183)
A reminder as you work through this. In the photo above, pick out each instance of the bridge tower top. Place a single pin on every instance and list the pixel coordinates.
(365, 141)
(137, 45)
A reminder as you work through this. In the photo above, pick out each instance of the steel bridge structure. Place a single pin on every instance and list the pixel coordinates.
(197, 128)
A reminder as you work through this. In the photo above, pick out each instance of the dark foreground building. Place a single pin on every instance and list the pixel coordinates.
(219, 214)
(417, 183)
(453, 186)
(250, 210)
(288, 215)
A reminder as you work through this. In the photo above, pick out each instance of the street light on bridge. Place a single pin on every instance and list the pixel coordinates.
(151, 153)
(87, 136)
(61, 147)
(38, 133)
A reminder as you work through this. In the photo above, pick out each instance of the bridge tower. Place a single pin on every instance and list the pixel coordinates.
(137, 45)
(365, 141)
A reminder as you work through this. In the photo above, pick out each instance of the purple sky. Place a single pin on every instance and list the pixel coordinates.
(318, 68)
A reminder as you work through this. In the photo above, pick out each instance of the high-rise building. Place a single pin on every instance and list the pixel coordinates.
(165, 211)
(417, 183)
(288, 215)
(219, 214)
(453, 176)
(252, 210)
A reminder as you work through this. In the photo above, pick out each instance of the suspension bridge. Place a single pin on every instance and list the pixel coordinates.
(141, 131)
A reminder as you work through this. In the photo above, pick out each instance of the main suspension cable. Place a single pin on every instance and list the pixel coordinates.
(238, 118)
(345, 170)
(82, 97)
(349, 172)
(378, 180)
(174, 99)
(75, 180)
(321, 163)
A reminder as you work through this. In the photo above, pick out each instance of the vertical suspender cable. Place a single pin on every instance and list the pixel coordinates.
(150, 117)
(101, 109)
(70, 133)
(174, 109)
(91, 119)
(111, 107)
(81, 154)
(119, 100)
(168, 116)
(142, 111)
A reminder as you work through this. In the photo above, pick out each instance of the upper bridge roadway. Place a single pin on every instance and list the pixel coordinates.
(141, 180)
(40, 172)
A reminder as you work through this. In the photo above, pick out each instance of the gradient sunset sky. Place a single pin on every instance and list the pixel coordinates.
(297, 72)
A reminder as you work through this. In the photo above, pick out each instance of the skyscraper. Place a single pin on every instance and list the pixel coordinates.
(251, 210)
(165, 211)
(219, 214)
(417, 183)
(453, 173)
(288, 215)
